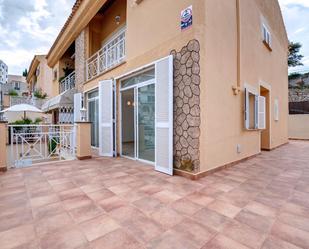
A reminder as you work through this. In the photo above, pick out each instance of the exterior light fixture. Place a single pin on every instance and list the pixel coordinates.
(117, 19)
(129, 103)
(83, 113)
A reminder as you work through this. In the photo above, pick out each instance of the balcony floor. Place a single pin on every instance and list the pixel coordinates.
(119, 203)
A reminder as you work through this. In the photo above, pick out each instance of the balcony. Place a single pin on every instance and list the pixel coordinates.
(110, 55)
(67, 83)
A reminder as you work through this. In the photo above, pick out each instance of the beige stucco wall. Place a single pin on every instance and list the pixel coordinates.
(299, 126)
(223, 122)
(215, 27)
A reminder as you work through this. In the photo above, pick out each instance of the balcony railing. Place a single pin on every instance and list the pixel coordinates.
(67, 83)
(110, 55)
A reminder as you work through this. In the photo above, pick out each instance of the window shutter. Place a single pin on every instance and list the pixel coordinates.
(276, 110)
(106, 118)
(261, 113)
(164, 116)
(77, 107)
(247, 109)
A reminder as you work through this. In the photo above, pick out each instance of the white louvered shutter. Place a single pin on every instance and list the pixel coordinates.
(261, 113)
(106, 118)
(247, 109)
(164, 116)
(77, 107)
(276, 110)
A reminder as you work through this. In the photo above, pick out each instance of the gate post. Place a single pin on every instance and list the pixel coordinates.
(3, 142)
(83, 140)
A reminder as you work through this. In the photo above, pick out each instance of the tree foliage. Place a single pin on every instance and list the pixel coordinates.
(25, 72)
(294, 58)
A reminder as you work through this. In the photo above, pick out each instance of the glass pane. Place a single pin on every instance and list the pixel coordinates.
(93, 108)
(146, 123)
(148, 75)
(93, 94)
(128, 133)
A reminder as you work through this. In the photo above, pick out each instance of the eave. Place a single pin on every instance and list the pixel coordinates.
(78, 20)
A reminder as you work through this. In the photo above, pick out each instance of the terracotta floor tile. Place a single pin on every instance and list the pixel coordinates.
(118, 239)
(15, 220)
(224, 208)
(76, 202)
(166, 196)
(186, 206)
(111, 203)
(275, 243)
(290, 234)
(100, 194)
(86, 212)
(47, 210)
(44, 200)
(256, 221)
(63, 186)
(294, 220)
(65, 239)
(52, 224)
(91, 187)
(143, 228)
(244, 234)
(296, 209)
(200, 199)
(147, 204)
(223, 242)
(211, 219)
(17, 236)
(195, 231)
(167, 217)
(98, 227)
(125, 213)
(261, 209)
(171, 240)
(70, 193)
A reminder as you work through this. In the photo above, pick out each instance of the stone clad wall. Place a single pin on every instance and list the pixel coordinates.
(187, 107)
(80, 56)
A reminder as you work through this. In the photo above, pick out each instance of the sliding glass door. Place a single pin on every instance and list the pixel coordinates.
(93, 117)
(138, 120)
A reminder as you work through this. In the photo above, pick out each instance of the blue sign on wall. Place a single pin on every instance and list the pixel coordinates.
(186, 18)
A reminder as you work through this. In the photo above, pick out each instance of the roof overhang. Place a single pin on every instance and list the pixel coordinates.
(34, 64)
(82, 13)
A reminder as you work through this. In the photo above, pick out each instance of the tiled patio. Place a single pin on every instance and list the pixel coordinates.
(119, 203)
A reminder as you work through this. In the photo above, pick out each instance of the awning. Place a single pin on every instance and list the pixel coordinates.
(65, 99)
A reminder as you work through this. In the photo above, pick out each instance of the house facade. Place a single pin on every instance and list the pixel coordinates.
(171, 84)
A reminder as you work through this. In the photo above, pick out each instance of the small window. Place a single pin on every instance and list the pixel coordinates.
(37, 71)
(254, 111)
(145, 76)
(266, 37)
(55, 74)
(17, 86)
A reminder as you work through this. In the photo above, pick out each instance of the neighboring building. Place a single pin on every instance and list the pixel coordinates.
(39, 80)
(3, 73)
(194, 84)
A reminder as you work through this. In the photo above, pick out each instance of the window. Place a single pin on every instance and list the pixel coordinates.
(55, 74)
(37, 72)
(16, 85)
(255, 115)
(147, 75)
(266, 37)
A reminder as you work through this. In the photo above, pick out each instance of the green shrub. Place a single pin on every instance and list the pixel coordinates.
(13, 93)
(39, 94)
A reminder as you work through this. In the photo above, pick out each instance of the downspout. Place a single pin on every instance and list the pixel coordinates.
(236, 89)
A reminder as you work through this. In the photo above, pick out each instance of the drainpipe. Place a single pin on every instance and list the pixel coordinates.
(236, 89)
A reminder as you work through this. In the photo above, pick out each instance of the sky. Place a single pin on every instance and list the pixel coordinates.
(29, 27)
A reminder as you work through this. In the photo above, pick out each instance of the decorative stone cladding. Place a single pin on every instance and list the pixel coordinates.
(80, 57)
(187, 107)
(298, 95)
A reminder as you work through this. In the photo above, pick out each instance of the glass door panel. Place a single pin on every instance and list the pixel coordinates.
(94, 119)
(146, 123)
(128, 123)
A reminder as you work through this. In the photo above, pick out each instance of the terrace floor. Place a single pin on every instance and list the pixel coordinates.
(123, 204)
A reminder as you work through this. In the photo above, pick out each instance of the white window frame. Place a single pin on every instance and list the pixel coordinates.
(257, 110)
(266, 34)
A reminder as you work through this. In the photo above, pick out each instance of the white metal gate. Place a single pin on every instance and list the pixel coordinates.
(30, 144)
